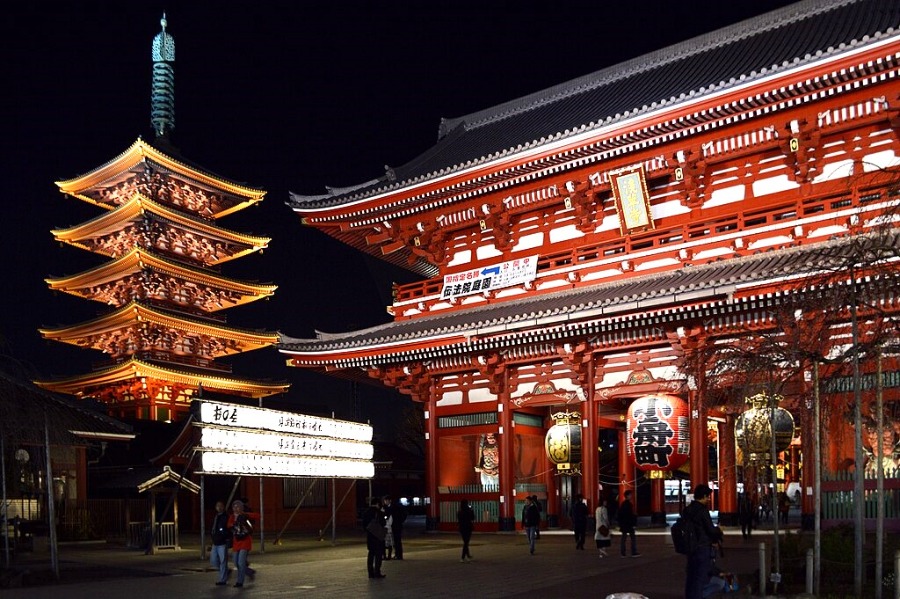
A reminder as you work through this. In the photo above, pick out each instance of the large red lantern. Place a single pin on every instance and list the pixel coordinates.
(658, 432)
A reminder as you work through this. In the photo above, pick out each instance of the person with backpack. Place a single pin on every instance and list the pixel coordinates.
(700, 558)
(241, 526)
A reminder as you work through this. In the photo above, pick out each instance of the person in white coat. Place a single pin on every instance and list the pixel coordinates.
(602, 534)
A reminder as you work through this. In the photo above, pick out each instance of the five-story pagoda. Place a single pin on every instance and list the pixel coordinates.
(166, 332)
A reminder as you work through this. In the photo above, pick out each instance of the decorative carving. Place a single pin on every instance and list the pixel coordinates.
(693, 168)
(800, 151)
(583, 202)
(412, 379)
(492, 367)
(498, 220)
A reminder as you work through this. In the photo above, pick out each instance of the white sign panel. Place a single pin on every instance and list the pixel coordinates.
(271, 442)
(234, 415)
(237, 439)
(498, 276)
(220, 462)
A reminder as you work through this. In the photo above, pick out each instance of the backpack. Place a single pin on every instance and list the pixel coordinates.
(685, 536)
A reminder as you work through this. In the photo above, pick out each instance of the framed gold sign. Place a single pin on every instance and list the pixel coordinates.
(632, 200)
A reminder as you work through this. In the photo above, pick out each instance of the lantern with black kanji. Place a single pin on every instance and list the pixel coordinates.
(658, 432)
(753, 428)
(563, 442)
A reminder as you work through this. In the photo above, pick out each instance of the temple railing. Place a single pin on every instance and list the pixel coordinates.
(838, 497)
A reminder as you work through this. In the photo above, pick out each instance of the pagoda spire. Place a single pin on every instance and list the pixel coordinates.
(162, 100)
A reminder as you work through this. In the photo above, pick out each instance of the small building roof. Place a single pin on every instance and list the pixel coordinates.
(25, 408)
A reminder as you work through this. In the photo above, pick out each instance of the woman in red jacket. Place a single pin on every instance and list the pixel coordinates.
(240, 523)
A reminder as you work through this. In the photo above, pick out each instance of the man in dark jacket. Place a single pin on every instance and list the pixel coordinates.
(700, 560)
(627, 521)
(579, 520)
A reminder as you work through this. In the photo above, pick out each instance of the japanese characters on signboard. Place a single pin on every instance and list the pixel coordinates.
(497, 276)
(658, 432)
(632, 200)
(238, 439)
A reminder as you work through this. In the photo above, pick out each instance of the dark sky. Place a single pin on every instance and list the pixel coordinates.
(284, 96)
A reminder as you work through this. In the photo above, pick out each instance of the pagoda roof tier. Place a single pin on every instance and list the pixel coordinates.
(148, 276)
(113, 233)
(778, 60)
(138, 326)
(140, 168)
(135, 370)
(715, 289)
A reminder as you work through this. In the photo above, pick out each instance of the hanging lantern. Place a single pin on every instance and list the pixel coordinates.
(563, 442)
(753, 428)
(658, 432)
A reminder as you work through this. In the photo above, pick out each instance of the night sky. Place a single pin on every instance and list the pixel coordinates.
(283, 96)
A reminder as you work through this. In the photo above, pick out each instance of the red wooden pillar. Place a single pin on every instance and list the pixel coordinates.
(507, 470)
(728, 501)
(590, 437)
(699, 459)
(626, 468)
(433, 513)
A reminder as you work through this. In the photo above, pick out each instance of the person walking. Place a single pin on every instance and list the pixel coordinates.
(746, 514)
(221, 541)
(465, 521)
(531, 519)
(239, 522)
(373, 522)
(700, 561)
(602, 534)
(579, 520)
(627, 522)
(537, 504)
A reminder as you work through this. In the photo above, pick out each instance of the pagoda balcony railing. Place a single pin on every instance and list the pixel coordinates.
(169, 358)
(680, 242)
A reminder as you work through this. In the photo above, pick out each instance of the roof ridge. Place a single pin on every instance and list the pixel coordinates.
(774, 19)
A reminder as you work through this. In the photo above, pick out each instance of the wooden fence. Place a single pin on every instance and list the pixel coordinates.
(838, 498)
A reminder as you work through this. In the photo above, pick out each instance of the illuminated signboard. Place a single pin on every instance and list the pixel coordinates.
(237, 439)
(497, 276)
(632, 200)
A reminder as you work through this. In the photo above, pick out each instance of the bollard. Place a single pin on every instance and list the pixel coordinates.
(762, 570)
(809, 571)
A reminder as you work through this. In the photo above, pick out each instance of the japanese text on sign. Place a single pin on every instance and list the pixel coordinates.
(497, 276)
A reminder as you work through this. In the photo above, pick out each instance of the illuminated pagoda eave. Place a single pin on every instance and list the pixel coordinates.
(133, 211)
(133, 369)
(139, 260)
(140, 152)
(135, 315)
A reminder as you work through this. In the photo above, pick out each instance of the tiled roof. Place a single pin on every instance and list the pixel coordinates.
(24, 407)
(769, 44)
(639, 294)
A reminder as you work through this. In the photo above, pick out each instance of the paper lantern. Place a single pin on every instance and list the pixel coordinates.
(658, 432)
(753, 428)
(563, 442)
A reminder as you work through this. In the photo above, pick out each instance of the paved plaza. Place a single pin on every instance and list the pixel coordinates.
(304, 567)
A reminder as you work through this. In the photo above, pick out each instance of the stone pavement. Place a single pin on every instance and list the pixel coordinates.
(304, 567)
